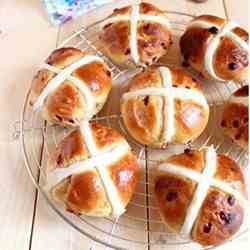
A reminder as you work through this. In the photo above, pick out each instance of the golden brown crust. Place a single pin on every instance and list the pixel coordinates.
(84, 193)
(193, 45)
(243, 34)
(64, 56)
(104, 136)
(242, 92)
(143, 119)
(153, 39)
(227, 54)
(115, 39)
(217, 220)
(211, 19)
(228, 171)
(230, 60)
(191, 159)
(59, 58)
(121, 11)
(69, 150)
(173, 195)
(235, 118)
(153, 42)
(125, 175)
(221, 214)
(66, 105)
(148, 78)
(182, 78)
(143, 115)
(190, 121)
(150, 9)
(96, 77)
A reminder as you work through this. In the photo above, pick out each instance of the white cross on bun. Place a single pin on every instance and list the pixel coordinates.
(164, 105)
(136, 35)
(92, 171)
(71, 86)
(201, 195)
(216, 48)
(235, 117)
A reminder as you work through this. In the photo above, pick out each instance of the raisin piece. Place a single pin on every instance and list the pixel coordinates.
(59, 118)
(146, 100)
(155, 59)
(236, 124)
(223, 123)
(164, 46)
(232, 66)
(108, 73)
(237, 137)
(185, 64)
(146, 27)
(213, 30)
(171, 196)
(187, 151)
(231, 200)
(207, 228)
(127, 52)
(59, 160)
(226, 217)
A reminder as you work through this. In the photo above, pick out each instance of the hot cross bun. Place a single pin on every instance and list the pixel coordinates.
(216, 48)
(136, 35)
(164, 105)
(71, 86)
(92, 171)
(201, 195)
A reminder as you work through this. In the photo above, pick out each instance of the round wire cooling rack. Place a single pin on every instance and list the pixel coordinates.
(141, 226)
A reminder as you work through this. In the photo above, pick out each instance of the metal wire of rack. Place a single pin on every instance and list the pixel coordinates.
(142, 217)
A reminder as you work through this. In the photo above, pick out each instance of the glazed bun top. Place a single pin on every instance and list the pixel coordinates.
(164, 105)
(71, 86)
(92, 171)
(216, 48)
(201, 195)
(136, 35)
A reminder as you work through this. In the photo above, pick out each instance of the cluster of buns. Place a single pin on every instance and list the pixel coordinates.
(93, 170)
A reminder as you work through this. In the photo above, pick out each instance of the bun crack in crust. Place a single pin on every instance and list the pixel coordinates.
(164, 105)
(216, 48)
(93, 171)
(71, 86)
(136, 35)
(235, 117)
(201, 195)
